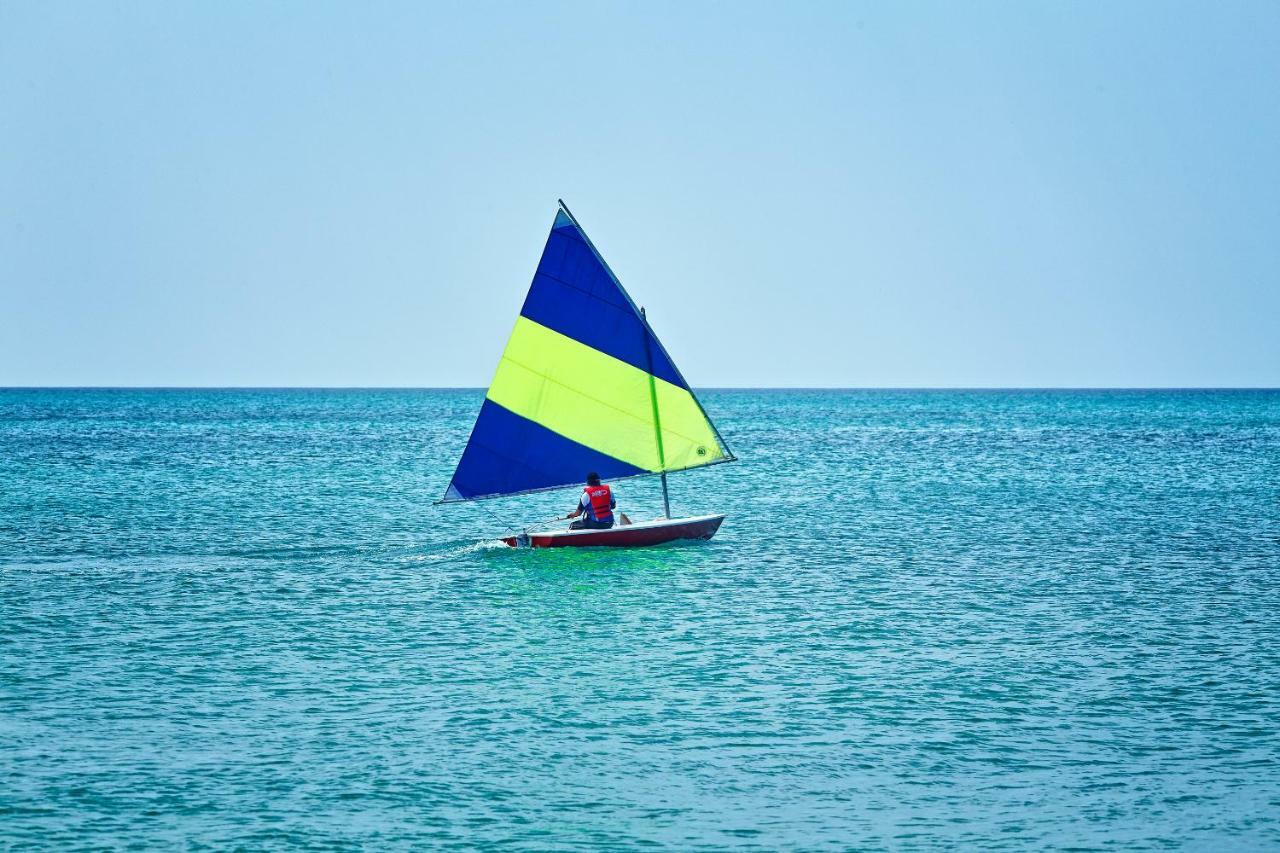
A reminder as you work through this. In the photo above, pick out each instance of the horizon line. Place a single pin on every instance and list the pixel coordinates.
(482, 388)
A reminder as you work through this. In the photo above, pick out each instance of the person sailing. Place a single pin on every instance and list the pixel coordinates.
(595, 506)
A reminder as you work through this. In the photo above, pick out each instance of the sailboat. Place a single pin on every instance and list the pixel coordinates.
(584, 385)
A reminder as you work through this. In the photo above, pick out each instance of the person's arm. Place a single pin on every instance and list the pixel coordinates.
(577, 512)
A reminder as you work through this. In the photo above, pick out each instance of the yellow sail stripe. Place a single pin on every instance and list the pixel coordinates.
(600, 401)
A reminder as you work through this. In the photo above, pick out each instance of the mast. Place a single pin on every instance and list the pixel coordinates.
(657, 419)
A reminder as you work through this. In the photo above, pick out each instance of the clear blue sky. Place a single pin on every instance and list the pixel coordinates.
(887, 194)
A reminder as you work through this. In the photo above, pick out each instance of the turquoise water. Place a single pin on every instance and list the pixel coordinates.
(982, 619)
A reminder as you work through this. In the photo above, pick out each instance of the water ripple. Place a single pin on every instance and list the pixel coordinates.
(933, 620)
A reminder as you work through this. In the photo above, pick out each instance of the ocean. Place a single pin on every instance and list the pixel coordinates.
(933, 619)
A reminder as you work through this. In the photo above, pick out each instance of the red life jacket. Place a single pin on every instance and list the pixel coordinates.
(601, 498)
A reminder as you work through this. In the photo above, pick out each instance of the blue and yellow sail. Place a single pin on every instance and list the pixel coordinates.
(583, 385)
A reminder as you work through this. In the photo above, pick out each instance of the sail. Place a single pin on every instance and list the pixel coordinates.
(583, 385)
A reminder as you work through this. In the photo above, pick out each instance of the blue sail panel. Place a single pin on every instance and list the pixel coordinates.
(576, 294)
(509, 454)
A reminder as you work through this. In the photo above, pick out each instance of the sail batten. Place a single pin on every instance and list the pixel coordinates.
(583, 385)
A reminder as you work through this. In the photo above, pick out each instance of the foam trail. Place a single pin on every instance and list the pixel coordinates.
(457, 551)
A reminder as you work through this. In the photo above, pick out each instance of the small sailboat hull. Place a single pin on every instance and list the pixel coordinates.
(638, 535)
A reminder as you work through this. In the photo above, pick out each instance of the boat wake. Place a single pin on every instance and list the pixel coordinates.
(460, 551)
